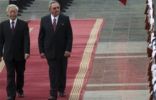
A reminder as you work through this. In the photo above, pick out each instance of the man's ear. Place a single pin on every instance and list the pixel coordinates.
(49, 8)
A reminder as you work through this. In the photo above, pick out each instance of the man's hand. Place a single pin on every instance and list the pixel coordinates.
(26, 56)
(42, 55)
(67, 54)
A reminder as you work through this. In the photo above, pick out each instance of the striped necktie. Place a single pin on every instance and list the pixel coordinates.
(54, 24)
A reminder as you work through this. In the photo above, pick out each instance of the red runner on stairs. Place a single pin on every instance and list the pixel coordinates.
(86, 35)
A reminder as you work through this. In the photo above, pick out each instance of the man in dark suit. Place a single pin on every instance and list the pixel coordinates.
(55, 43)
(14, 48)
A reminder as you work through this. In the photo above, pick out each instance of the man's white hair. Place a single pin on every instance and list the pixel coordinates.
(51, 2)
(11, 6)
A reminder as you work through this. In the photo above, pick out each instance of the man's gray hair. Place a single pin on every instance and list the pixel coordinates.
(52, 1)
(11, 6)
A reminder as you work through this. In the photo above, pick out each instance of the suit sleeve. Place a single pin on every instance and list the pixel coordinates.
(69, 36)
(26, 40)
(1, 40)
(41, 37)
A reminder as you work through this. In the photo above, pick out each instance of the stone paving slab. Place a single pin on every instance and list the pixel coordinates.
(117, 95)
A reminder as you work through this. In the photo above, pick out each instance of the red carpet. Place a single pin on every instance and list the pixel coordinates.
(86, 35)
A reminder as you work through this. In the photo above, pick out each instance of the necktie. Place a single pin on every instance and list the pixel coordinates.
(54, 24)
(12, 26)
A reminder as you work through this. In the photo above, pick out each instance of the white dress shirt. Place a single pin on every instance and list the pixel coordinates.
(15, 21)
(52, 18)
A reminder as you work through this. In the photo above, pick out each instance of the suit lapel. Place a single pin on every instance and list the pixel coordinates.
(17, 25)
(59, 22)
(9, 27)
(49, 24)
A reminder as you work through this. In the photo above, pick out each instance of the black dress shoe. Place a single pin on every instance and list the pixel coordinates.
(62, 94)
(52, 98)
(11, 98)
(20, 94)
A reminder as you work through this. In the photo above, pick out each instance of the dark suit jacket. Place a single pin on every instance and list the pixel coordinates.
(54, 44)
(13, 45)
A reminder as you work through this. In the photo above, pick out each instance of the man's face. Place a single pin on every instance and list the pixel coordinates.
(55, 9)
(12, 13)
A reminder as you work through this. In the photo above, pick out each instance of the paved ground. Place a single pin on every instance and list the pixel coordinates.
(120, 65)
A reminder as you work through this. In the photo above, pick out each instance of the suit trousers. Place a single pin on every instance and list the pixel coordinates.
(15, 76)
(57, 75)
